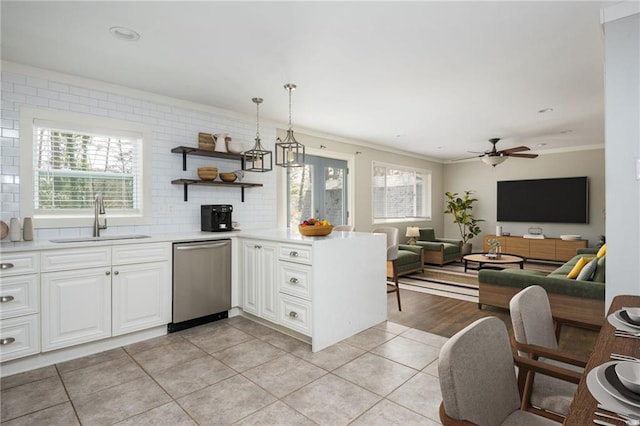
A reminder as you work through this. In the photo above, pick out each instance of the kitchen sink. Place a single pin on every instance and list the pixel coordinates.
(102, 238)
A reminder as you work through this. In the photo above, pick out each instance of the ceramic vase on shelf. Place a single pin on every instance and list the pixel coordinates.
(15, 230)
(27, 229)
(221, 143)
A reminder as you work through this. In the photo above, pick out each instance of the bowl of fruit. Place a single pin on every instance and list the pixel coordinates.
(313, 227)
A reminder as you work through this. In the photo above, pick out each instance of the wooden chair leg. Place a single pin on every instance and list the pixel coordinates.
(395, 280)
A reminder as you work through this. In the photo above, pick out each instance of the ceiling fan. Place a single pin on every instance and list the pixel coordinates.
(495, 157)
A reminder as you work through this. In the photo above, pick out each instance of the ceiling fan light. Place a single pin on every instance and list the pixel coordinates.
(493, 160)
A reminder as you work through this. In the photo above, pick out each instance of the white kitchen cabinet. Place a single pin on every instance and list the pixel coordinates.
(141, 296)
(19, 305)
(76, 307)
(260, 292)
(328, 288)
(125, 289)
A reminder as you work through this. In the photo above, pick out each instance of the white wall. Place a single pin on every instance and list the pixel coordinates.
(364, 156)
(482, 179)
(174, 123)
(622, 124)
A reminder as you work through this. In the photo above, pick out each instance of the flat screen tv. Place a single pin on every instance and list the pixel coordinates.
(559, 200)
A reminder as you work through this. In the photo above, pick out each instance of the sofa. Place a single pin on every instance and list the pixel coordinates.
(409, 260)
(438, 251)
(570, 299)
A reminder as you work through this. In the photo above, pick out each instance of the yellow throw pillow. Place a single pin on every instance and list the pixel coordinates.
(602, 251)
(578, 267)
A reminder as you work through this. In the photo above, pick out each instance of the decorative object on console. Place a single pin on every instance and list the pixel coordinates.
(15, 230)
(27, 229)
(290, 152)
(258, 159)
(498, 231)
(412, 233)
(460, 208)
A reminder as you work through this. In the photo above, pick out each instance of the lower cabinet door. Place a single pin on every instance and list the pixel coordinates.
(141, 296)
(76, 307)
(19, 337)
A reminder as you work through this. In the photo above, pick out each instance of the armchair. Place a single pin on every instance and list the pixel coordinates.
(438, 251)
(410, 259)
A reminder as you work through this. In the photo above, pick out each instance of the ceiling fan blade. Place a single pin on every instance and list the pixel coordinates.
(468, 158)
(516, 149)
(523, 155)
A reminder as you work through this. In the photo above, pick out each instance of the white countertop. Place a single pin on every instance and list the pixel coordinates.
(281, 235)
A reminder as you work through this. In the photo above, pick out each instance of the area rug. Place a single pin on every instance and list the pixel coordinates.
(451, 281)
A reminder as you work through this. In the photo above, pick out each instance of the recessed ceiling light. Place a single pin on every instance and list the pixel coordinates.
(123, 33)
(545, 110)
(564, 132)
(540, 145)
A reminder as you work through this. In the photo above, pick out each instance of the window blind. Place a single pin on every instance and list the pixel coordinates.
(71, 166)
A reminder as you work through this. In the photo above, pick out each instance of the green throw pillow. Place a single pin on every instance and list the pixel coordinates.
(586, 273)
(599, 276)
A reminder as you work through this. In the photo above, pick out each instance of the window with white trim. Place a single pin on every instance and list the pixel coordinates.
(71, 159)
(400, 193)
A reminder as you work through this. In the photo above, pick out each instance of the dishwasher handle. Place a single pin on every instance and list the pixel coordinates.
(202, 246)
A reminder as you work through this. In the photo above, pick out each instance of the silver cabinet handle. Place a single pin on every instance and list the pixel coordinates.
(7, 341)
(258, 246)
(107, 273)
(293, 314)
(6, 265)
(293, 280)
(200, 247)
(116, 273)
(293, 253)
(5, 299)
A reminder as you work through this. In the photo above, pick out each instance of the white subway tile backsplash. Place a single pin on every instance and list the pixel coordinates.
(172, 125)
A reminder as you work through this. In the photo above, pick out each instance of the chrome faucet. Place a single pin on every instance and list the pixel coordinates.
(98, 205)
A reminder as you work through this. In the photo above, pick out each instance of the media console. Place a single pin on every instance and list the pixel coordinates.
(543, 249)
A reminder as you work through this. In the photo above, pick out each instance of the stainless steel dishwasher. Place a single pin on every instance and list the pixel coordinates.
(201, 283)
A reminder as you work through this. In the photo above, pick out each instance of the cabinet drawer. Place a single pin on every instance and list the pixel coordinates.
(19, 263)
(542, 249)
(295, 313)
(140, 253)
(19, 337)
(294, 279)
(295, 253)
(80, 258)
(19, 295)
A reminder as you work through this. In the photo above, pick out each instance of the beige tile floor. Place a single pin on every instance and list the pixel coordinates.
(236, 371)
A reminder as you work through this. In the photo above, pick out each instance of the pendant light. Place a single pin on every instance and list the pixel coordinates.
(289, 152)
(257, 159)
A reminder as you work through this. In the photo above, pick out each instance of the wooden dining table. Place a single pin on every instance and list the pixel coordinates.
(583, 406)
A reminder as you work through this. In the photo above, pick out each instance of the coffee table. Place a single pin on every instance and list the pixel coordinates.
(481, 259)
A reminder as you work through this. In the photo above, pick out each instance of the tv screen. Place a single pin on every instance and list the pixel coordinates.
(560, 200)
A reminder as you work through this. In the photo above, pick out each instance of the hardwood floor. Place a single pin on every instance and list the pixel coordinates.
(445, 317)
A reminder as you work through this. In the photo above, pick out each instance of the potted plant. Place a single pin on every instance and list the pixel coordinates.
(460, 208)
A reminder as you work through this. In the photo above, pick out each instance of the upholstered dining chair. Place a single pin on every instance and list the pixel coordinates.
(478, 380)
(344, 228)
(393, 241)
(536, 336)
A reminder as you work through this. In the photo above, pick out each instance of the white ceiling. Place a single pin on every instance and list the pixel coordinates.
(434, 78)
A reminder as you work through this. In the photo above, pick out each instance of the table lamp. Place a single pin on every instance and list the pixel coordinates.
(412, 233)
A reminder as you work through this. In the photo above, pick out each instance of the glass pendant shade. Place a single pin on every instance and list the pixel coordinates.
(289, 152)
(493, 160)
(258, 159)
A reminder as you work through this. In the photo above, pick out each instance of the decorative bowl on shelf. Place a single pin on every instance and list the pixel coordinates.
(315, 231)
(207, 173)
(234, 147)
(228, 177)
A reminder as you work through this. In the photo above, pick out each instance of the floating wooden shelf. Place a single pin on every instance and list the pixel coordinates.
(189, 150)
(187, 182)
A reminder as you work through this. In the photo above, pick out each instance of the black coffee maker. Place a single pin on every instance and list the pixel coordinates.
(216, 217)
